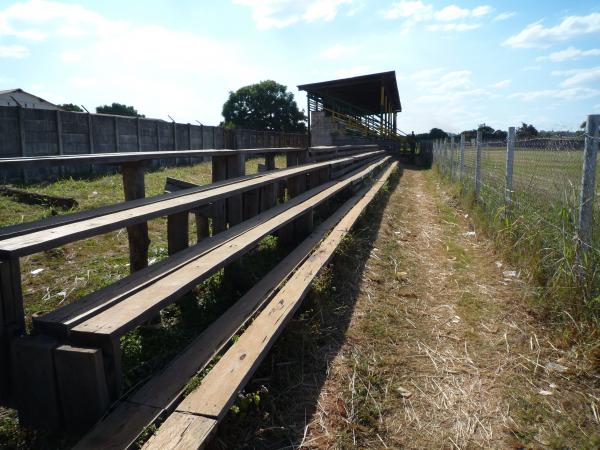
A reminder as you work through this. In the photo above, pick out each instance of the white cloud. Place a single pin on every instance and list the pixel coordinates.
(352, 71)
(570, 53)
(13, 51)
(70, 56)
(283, 13)
(482, 11)
(453, 27)
(414, 11)
(531, 68)
(452, 12)
(578, 77)
(570, 94)
(133, 64)
(536, 35)
(339, 51)
(502, 84)
(504, 16)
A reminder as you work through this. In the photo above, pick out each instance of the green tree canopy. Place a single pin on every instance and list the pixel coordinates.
(70, 107)
(437, 133)
(264, 106)
(119, 110)
(527, 131)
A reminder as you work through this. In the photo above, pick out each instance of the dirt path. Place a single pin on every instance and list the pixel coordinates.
(442, 350)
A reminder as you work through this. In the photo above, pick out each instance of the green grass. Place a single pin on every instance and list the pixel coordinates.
(76, 269)
(537, 231)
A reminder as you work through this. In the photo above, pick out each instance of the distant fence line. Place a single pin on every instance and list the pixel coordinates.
(553, 180)
(37, 132)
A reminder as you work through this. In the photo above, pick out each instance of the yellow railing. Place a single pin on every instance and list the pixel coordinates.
(359, 126)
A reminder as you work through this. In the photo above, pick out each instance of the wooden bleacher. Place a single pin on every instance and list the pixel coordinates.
(79, 343)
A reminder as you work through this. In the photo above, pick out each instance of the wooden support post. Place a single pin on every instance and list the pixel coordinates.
(12, 322)
(178, 232)
(133, 186)
(268, 196)
(235, 168)
(36, 390)
(219, 172)
(270, 161)
(202, 229)
(82, 386)
(251, 203)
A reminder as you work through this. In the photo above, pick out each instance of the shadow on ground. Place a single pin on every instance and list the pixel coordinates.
(281, 398)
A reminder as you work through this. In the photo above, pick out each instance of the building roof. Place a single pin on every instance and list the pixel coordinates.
(21, 91)
(363, 91)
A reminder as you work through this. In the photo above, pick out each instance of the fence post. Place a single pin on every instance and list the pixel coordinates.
(588, 187)
(478, 166)
(452, 159)
(462, 156)
(510, 156)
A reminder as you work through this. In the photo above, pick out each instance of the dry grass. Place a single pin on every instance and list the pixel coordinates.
(442, 351)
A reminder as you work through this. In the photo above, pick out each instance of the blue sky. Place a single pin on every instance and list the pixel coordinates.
(458, 63)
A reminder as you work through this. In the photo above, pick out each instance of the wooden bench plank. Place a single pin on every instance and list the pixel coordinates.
(217, 392)
(53, 221)
(135, 308)
(127, 157)
(105, 328)
(50, 238)
(62, 319)
(128, 420)
(183, 432)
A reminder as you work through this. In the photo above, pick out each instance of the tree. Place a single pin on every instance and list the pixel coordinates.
(70, 107)
(487, 132)
(118, 109)
(264, 106)
(437, 133)
(527, 131)
(500, 135)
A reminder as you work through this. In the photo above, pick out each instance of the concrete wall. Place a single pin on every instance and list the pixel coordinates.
(36, 132)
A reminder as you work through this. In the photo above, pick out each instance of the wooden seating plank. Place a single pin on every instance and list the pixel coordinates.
(129, 157)
(49, 238)
(127, 421)
(53, 221)
(135, 308)
(183, 432)
(218, 389)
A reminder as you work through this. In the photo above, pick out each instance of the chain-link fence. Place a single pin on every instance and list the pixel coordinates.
(549, 183)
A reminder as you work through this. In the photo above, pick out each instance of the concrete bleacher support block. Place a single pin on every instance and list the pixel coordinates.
(82, 386)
